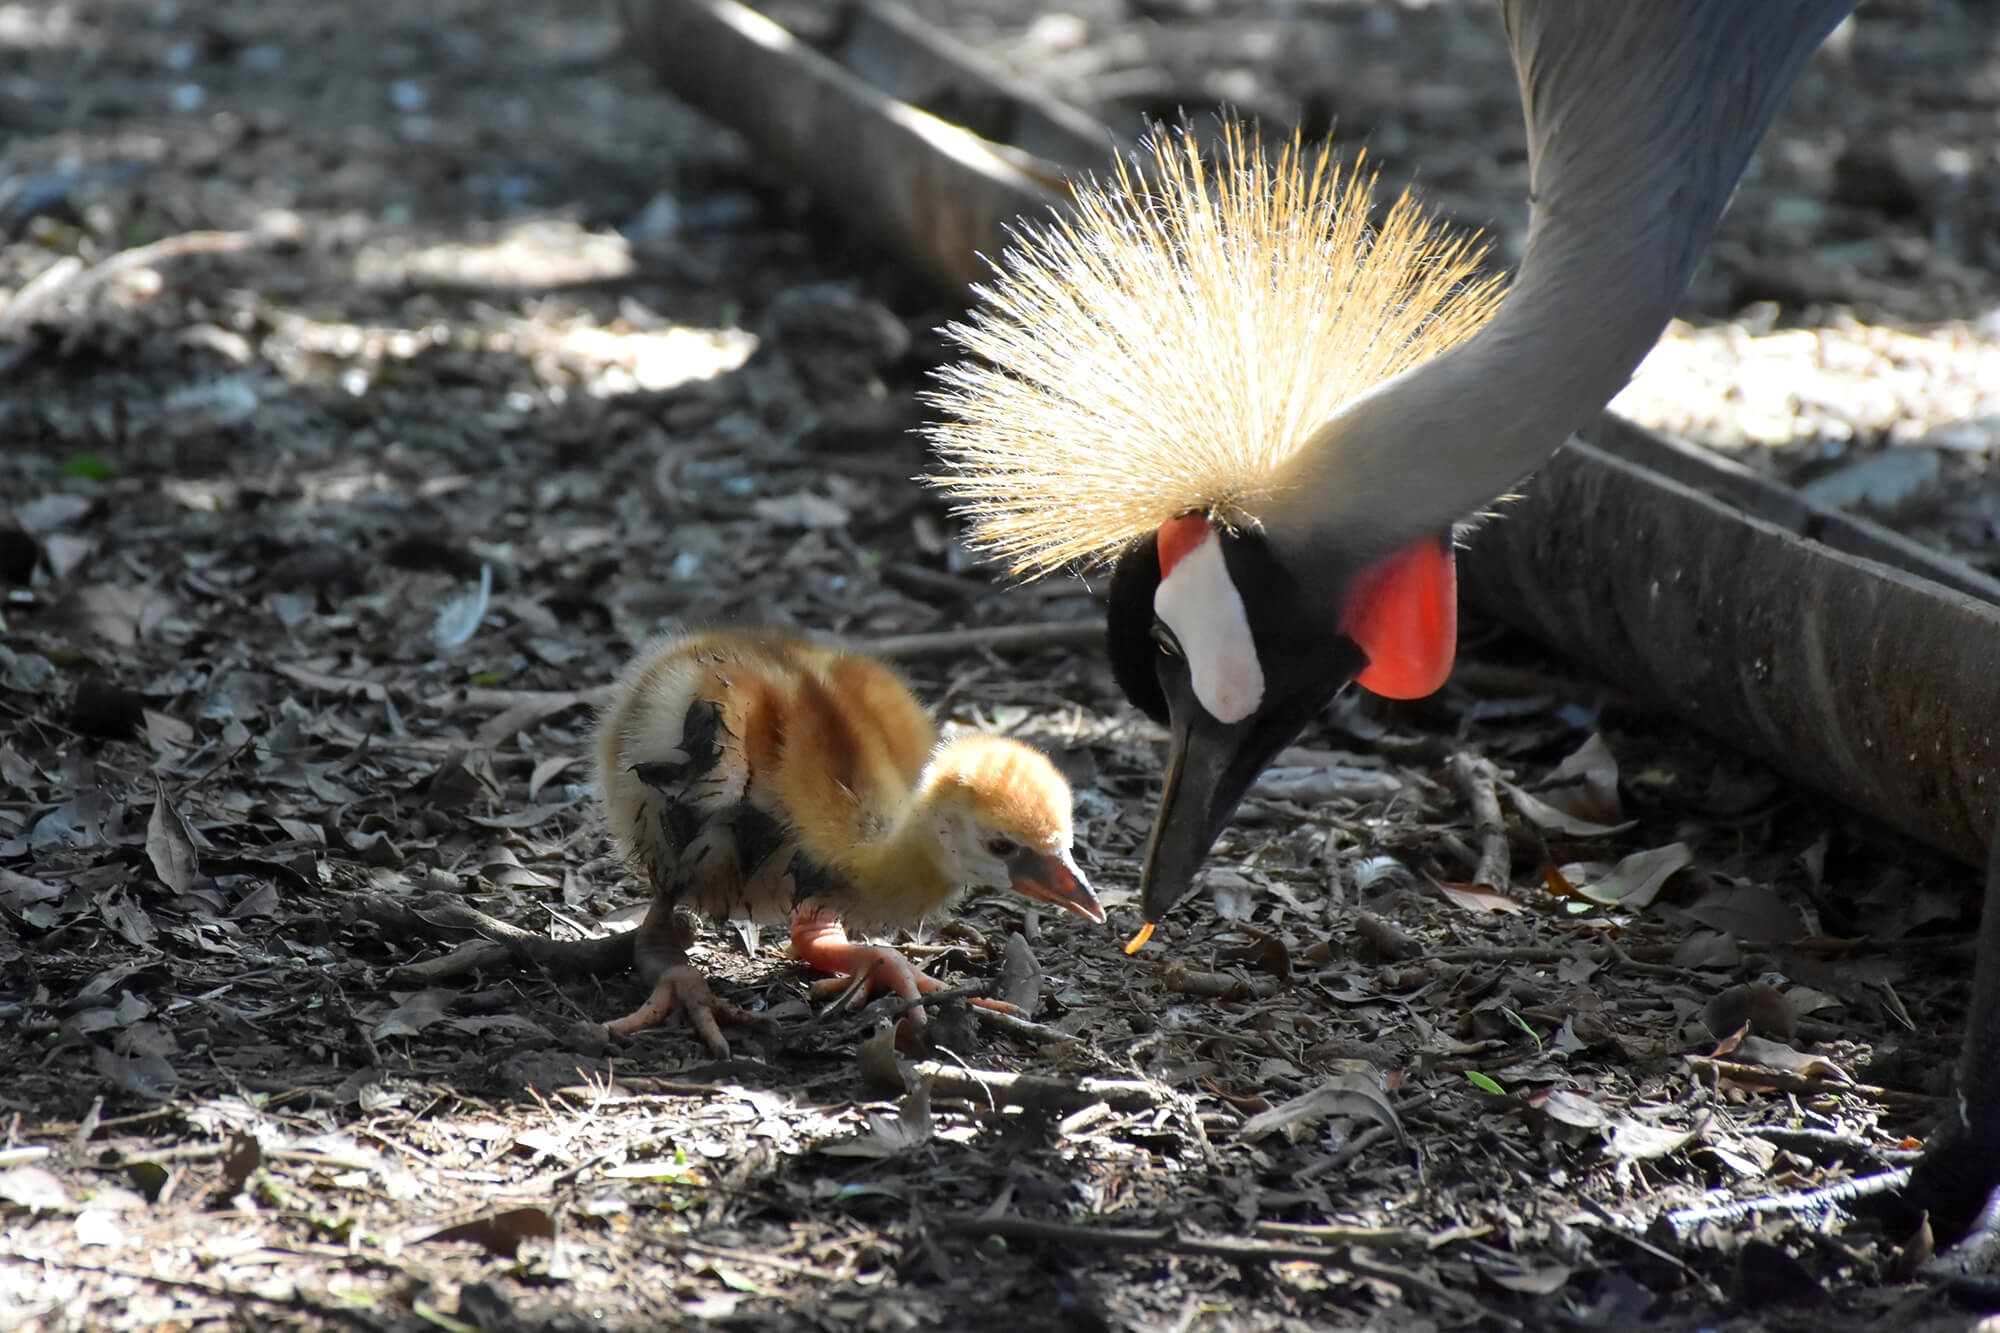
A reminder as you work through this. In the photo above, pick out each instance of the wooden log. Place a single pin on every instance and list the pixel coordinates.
(1872, 684)
(933, 192)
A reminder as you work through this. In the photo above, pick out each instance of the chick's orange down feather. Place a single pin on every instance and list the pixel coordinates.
(758, 776)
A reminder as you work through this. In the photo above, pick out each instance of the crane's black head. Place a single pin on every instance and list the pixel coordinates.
(1234, 649)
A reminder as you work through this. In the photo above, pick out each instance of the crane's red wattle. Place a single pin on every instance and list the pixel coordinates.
(1403, 613)
(1178, 536)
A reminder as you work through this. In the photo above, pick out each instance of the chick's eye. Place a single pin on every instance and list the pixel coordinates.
(1002, 846)
(1164, 637)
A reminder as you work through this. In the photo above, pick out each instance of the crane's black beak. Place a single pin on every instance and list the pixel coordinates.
(1211, 764)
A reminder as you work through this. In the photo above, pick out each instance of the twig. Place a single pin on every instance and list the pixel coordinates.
(770, 1261)
(1545, 953)
(1811, 1205)
(60, 280)
(1218, 985)
(431, 917)
(295, 1300)
(1612, 1226)
(1374, 1238)
(991, 638)
(537, 704)
(1475, 779)
(1237, 1249)
(544, 703)
(1038, 1092)
(1023, 1029)
(1780, 1081)
(1807, 1139)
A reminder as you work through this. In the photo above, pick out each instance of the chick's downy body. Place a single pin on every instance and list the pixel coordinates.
(758, 776)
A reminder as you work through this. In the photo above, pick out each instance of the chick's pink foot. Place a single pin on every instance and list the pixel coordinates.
(820, 941)
(682, 987)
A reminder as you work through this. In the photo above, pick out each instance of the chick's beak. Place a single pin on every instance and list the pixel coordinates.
(1053, 878)
(1211, 764)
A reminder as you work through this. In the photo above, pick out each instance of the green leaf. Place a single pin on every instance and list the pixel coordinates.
(1484, 1083)
(1523, 1024)
(89, 466)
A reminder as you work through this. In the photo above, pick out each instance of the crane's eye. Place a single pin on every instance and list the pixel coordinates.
(1002, 847)
(1164, 637)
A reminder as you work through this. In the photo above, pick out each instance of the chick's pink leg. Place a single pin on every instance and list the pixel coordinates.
(660, 955)
(820, 940)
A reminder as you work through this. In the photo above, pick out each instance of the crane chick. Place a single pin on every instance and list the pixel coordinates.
(755, 775)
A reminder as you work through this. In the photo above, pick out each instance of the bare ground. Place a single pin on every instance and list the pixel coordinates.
(453, 294)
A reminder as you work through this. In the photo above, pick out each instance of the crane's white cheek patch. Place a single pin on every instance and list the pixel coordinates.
(1200, 605)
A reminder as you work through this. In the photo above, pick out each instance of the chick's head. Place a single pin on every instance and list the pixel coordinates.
(1003, 821)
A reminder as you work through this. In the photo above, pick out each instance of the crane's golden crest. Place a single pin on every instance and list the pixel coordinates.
(1164, 347)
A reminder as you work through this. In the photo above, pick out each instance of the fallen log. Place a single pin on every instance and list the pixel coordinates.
(931, 191)
(1871, 683)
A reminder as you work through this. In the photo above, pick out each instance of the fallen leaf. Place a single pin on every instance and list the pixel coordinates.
(414, 1014)
(1574, 1109)
(1585, 783)
(1642, 1142)
(889, 1136)
(1752, 913)
(246, 1154)
(1235, 897)
(546, 772)
(20, 895)
(1767, 1054)
(1020, 981)
(65, 552)
(119, 613)
(1545, 816)
(341, 685)
(801, 509)
(500, 1233)
(1530, 1281)
(458, 619)
(46, 513)
(1635, 881)
(169, 844)
(34, 1188)
(1357, 1093)
(147, 1076)
(1477, 899)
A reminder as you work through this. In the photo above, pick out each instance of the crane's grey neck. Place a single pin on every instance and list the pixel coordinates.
(1641, 116)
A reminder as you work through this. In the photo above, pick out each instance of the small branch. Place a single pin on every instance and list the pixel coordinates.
(1808, 1205)
(1218, 985)
(238, 1296)
(61, 280)
(1779, 1081)
(1037, 1092)
(1022, 1029)
(1232, 1248)
(431, 918)
(533, 705)
(1475, 780)
(1828, 1142)
(992, 639)
(1611, 1226)
(541, 703)
(1374, 1238)
(1547, 953)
